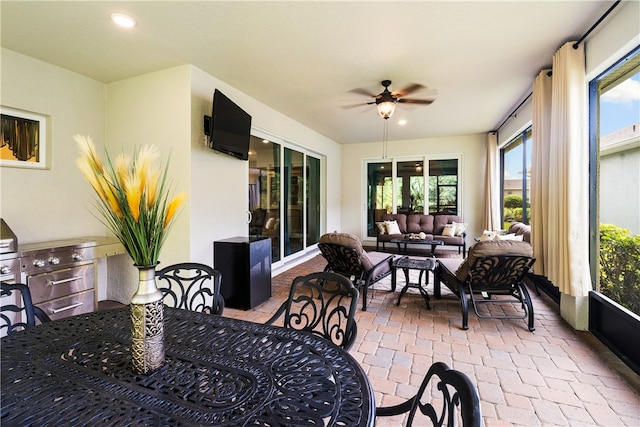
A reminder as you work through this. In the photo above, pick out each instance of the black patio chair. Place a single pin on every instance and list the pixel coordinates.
(324, 304)
(191, 286)
(22, 314)
(489, 280)
(345, 255)
(446, 397)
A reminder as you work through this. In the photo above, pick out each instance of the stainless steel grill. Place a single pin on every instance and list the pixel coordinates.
(60, 274)
(9, 259)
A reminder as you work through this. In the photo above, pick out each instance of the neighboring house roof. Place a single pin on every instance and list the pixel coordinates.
(623, 139)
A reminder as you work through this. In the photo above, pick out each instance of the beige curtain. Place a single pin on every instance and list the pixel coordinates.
(540, 131)
(567, 248)
(491, 213)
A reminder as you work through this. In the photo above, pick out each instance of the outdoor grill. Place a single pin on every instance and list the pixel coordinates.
(59, 274)
(9, 260)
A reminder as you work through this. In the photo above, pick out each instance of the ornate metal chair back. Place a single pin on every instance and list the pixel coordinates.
(342, 259)
(17, 311)
(191, 286)
(446, 397)
(499, 273)
(324, 304)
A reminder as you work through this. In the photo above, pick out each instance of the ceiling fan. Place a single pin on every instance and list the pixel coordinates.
(386, 100)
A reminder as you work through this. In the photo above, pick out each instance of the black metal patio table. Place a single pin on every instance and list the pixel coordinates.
(218, 371)
(406, 263)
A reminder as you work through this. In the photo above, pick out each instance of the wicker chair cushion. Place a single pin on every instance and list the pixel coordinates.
(492, 247)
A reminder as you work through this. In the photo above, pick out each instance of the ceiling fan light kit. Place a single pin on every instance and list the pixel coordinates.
(386, 100)
(386, 109)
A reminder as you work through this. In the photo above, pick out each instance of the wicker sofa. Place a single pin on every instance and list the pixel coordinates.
(432, 225)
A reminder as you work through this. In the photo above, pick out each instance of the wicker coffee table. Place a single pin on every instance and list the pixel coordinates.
(406, 264)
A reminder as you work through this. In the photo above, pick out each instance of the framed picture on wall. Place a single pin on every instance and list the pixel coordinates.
(23, 139)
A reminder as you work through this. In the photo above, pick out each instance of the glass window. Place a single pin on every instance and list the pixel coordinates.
(410, 187)
(379, 193)
(516, 176)
(408, 193)
(443, 186)
(615, 170)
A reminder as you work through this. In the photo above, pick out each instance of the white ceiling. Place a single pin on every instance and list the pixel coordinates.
(304, 58)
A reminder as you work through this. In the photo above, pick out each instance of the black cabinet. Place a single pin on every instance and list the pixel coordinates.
(245, 264)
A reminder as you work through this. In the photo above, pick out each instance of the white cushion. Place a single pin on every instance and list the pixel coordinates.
(488, 235)
(392, 227)
(460, 227)
(510, 236)
(270, 223)
(449, 230)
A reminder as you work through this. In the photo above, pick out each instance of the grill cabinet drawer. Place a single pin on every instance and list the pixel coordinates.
(78, 303)
(60, 283)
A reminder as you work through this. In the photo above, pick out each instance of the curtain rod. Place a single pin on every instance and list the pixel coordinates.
(575, 46)
(513, 113)
(613, 6)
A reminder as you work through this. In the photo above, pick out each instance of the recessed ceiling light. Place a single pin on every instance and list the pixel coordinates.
(402, 122)
(122, 20)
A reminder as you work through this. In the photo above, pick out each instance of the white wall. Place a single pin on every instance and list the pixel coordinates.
(56, 203)
(163, 108)
(471, 148)
(155, 109)
(220, 182)
(611, 40)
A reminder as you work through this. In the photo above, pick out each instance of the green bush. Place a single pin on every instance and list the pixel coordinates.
(513, 201)
(620, 266)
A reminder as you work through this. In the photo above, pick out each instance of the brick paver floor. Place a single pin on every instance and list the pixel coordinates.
(554, 376)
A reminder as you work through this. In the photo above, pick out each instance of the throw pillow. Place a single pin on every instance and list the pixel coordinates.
(510, 236)
(449, 230)
(460, 228)
(488, 235)
(382, 227)
(392, 227)
(270, 223)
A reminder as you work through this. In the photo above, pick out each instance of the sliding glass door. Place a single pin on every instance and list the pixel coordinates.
(284, 197)
(264, 192)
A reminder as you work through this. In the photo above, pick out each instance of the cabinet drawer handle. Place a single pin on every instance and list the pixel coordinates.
(59, 282)
(69, 307)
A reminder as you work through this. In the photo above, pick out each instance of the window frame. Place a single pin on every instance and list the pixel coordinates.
(459, 157)
(521, 135)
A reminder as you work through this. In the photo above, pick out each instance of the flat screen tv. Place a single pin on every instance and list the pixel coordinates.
(230, 127)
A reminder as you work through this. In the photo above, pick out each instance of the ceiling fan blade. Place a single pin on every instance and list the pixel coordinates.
(407, 90)
(360, 104)
(363, 92)
(416, 101)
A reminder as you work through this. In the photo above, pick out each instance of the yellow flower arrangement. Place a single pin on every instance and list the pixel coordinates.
(132, 198)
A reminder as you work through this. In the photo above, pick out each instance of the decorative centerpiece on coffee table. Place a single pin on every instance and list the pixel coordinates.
(133, 200)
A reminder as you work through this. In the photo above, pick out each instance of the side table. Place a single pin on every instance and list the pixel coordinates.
(406, 264)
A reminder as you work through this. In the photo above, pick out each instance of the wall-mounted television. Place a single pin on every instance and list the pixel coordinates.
(229, 127)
